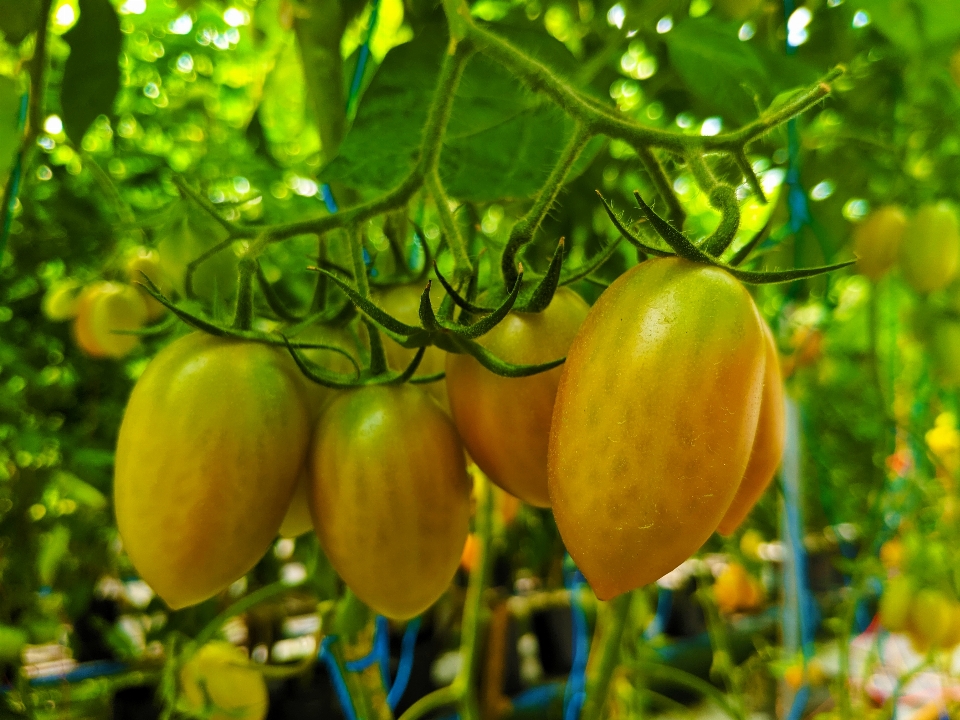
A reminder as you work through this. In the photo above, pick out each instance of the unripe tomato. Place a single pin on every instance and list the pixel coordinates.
(104, 307)
(403, 302)
(895, 603)
(184, 237)
(952, 636)
(344, 338)
(210, 448)
(945, 351)
(220, 677)
(931, 617)
(738, 10)
(146, 261)
(297, 520)
(750, 544)
(767, 444)
(877, 241)
(391, 496)
(61, 300)
(930, 252)
(654, 421)
(505, 422)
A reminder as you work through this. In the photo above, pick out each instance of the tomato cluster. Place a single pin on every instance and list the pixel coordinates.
(664, 425)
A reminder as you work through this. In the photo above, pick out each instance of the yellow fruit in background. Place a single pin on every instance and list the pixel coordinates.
(930, 253)
(733, 590)
(104, 308)
(750, 544)
(891, 554)
(61, 300)
(931, 618)
(877, 240)
(220, 680)
(895, 603)
(146, 261)
(944, 441)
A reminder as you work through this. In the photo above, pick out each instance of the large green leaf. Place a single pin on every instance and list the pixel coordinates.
(91, 75)
(914, 24)
(730, 77)
(501, 142)
(18, 18)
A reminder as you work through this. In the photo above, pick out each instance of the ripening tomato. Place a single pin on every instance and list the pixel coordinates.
(403, 302)
(931, 617)
(654, 421)
(61, 300)
(211, 445)
(877, 241)
(892, 554)
(895, 603)
(930, 254)
(103, 308)
(297, 519)
(735, 590)
(391, 496)
(146, 261)
(505, 422)
(767, 444)
(185, 235)
(219, 677)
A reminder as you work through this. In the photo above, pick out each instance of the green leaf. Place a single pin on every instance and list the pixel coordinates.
(91, 75)
(730, 77)
(9, 122)
(914, 24)
(18, 18)
(501, 141)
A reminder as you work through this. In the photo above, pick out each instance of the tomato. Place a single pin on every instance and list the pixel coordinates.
(767, 444)
(391, 496)
(945, 351)
(102, 308)
(654, 421)
(952, 635)
(187, 234)
(61, 300)
(471, 553)
(220, 677)
(931, 617)
(895, 603)
(146, 261)
(212, 442)
(930, 253)
(750, 544)
(505, 422)
(877, 241)
(738, 10)
(892, 553)
(297, 519)
(735, 590)
(403, 302)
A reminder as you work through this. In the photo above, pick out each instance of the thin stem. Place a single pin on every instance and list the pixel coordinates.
(234, 230)
(463, 266)
(428, 703)
(525, 228)
(243, 317)
(240, 607)
(661, 183)
(355, 238)
(605, 656)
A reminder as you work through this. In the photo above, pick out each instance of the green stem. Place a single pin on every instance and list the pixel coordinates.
(243, 317)
(607, 651)
(699, 686)
(661, 183)
(240, 607)
(433, 701)
(525, 228)
(463, 266)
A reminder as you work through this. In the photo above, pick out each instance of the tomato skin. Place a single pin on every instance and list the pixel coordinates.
(403, 302)
(212, 442)
(877, 240)
(102, 308)
(735, 590)
(297, 519)
(220, 674)
(505, 422)
(895, 603)
(61, 300)
(930, 254)
(391, 496)
(654, 420)
(931, 618)
(767, 444)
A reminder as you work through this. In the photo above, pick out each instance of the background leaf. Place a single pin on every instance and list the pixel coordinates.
(91, 75)
(9, 121)
(18, 18)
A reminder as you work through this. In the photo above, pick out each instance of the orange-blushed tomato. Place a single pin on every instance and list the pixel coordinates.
(391, 496)
(146, 261)
(403, 302)
(212, 442)
(505, 422)
(930, 253)
(654, 420)
(892, 554)
(219, 677)
(767, 444)
(103, 308)
(877, 240)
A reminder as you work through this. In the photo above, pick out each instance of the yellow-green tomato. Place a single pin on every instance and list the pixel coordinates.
(505, 422)
(391, 496)
(211, 445)
(219, 679)
(654, 421)
(895, 603)
(930, 253)
(103, 309)
(61, 300)
(945, 349)
(877, 241)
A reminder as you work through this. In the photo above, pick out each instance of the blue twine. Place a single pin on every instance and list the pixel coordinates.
(537, 696)
(405, 667)
(362, 59)
(575, 693)
(336, 677)
(662, 616)
(326, 195)
(361, 664)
